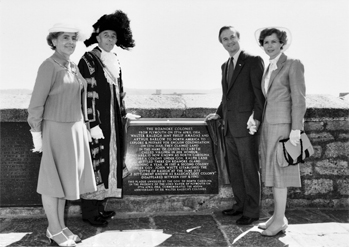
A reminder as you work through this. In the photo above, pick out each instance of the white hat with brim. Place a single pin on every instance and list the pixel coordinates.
(288, 33)
(64, 27)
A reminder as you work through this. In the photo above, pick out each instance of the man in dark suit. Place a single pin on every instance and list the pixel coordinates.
(241, 109)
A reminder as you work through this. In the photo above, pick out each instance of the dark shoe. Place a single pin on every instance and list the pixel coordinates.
(244, 220)
(96, 221)
(107, 214)
(231, 212)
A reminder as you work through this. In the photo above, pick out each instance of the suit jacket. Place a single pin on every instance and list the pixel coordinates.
(285, 99)
(243, 95)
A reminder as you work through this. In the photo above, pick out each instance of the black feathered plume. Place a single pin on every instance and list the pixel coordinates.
(117, 22)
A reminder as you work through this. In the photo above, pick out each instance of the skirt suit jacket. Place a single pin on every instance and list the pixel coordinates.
(285, 99)
(284, 111)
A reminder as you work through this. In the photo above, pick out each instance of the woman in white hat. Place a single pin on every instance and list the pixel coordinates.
(284, 88)
(57, 120)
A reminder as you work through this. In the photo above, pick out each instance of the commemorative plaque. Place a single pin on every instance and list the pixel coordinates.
(169, 156)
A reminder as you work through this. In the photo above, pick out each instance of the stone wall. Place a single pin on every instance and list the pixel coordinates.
(325, 176)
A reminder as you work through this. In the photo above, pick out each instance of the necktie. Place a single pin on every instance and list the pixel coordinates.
(230, 70)
(266, 79)
(272, 66)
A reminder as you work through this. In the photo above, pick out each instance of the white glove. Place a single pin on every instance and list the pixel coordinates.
(89, 138)
(37, 140)
(295, 136)
(132, 116)
(97, 133)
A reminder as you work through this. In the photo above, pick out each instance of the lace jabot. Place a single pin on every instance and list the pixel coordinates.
(111, 61)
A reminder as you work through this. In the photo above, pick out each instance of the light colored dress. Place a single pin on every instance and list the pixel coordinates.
(55, 109)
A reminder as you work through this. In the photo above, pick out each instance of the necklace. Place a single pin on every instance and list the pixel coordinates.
(72, 69)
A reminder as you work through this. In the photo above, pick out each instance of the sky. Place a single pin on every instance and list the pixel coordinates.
(177, 43)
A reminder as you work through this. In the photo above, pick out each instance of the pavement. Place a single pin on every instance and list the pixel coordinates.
(307, 227)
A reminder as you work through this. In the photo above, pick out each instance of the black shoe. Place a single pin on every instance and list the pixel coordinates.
(96, 221)
(244, 220)
(107, 214)
(231, 212)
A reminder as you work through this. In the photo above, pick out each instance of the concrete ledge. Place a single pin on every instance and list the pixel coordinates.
(168, 203)
(181, 106)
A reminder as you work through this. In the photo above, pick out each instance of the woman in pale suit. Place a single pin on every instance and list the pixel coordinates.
(284, 88)
(58, 128)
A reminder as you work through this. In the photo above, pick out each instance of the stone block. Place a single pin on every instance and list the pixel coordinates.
(161, 204)
(343, 186)
(336, 149)
(326, 114)
(337, 125)
(320, 137)
(20, 211)
(267, 203)
(267, 191)
(306, 169)
(317, 151)
(295, 192)
(13, 115)
(313, 126)
(294, 203)
(197, 112)
(226, 192)
(73, 210)
(322, 203)
(343, 136)
(318, 186)
(341, 203)
(332, 167)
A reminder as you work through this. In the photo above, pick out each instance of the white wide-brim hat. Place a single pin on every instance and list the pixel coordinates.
(288, 33)
(64, 27)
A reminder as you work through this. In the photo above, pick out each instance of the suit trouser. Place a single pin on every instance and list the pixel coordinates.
(91, 208)
(243, 168)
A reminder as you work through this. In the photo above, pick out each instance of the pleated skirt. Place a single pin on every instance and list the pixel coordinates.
(271, 153)
(66, 168)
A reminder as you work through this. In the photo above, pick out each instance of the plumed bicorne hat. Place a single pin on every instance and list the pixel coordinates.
(117, 22)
